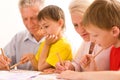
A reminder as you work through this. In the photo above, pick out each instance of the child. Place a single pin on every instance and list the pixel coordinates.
(52, 20)
(77, 9)
(102, 21)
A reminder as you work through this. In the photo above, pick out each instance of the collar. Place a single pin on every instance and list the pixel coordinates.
(28, 36)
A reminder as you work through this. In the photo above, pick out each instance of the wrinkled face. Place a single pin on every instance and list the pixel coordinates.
(76, 20)
(51, 27)
(29, 16)
(104, 38)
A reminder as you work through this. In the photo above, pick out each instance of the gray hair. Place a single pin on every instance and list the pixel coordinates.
(79, 6)
(28, 3)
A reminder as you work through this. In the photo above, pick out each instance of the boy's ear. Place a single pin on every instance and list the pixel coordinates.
(115, 31)
(61, 22)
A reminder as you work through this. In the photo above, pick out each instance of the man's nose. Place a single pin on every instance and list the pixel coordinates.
(29, 23)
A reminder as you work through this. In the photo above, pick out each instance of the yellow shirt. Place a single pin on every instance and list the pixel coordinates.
(61, 46)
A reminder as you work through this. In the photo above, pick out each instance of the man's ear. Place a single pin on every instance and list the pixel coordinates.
(115, 31)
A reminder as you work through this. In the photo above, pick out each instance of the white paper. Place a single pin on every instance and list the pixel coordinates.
(46, 77)
(25, 75)
(17, 74)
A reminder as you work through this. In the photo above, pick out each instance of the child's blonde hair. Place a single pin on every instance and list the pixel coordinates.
(103, 14)
(79, 6)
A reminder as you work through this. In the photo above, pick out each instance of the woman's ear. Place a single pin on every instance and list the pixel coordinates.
(115, 31)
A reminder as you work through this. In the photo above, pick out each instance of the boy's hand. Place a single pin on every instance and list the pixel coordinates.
(67, 66)
(50, 39)
(88, 63)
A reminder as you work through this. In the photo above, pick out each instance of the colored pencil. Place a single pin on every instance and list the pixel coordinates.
(60, 59)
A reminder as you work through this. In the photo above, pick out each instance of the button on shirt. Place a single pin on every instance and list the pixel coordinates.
(21, 44)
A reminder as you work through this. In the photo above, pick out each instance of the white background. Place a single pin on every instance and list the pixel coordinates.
(11, 22)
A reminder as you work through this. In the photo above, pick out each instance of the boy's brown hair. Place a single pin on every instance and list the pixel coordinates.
(103, 13)
(52, 12)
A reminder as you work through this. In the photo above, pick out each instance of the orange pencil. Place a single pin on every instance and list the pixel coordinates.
(2, 52)
(17, 64)
(98, 52)
(60, 59)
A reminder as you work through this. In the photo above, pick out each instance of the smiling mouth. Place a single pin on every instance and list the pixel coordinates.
(84, 35)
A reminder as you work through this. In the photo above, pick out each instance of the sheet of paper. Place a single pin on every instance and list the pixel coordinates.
(25, 75)
(17, 74)
(46, 77)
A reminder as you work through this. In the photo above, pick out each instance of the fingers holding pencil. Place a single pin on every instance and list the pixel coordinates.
(86, 60)
(60, 64)
(67, 66)
(63, 65)
(15, 65)
(4, 60)
(25, 58)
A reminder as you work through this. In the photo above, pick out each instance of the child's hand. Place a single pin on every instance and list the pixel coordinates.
(50, 39)
(88, 63)
(59, 67)
(67, 66)
(49, 70)
(27, 57)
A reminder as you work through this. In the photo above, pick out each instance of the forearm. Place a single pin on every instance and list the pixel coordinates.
(100, 75)
(43, 57)
(44, 66)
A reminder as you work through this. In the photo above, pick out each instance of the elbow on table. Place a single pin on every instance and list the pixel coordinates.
(44, 66)
(40, 68)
